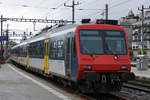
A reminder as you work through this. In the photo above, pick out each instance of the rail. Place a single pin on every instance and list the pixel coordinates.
(135, 90)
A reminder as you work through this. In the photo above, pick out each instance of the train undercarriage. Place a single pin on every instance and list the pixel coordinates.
(93, 82)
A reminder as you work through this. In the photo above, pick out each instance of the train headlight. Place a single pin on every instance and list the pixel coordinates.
(116, 57)
(87, 67)
(124, 67)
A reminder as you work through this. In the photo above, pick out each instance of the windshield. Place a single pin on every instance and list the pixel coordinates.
(102, 42)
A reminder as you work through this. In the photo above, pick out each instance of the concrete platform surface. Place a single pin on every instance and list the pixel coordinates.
(16, 84)
(141, 73)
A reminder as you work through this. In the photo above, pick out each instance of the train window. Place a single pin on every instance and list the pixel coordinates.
(91, 42)
(37, 46)
(74, 46)
(24, 51)
(31, 50)
(115, 42)
(60, 48)
(53, 48)
(36, 49)
(41, 49)
(102, 41)
(20, 51)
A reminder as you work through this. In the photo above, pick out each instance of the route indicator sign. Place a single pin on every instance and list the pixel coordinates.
(3, 38)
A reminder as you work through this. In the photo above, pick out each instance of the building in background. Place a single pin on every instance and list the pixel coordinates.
(136, 37)
(132, 24)
(127, 22)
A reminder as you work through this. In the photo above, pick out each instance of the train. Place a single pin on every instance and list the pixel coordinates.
(93, 58)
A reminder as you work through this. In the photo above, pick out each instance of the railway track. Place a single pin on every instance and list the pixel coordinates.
(144, 82)
(130, 91)
(135, 90)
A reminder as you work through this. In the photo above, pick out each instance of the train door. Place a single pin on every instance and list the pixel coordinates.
(27, 59)
(74, 60)
(71, 57)
(46, 57)
(68, 56)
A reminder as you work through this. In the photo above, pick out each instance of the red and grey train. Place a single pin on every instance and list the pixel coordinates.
(93, 57)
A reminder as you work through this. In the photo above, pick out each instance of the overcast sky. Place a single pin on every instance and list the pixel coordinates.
(43, 9)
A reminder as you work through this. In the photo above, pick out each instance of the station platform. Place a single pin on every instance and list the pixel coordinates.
(16, 84)
(141, 73)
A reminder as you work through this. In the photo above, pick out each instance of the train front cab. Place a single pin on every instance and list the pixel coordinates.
(103, 58)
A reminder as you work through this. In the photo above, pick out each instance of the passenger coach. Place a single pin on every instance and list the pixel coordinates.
(93, 57)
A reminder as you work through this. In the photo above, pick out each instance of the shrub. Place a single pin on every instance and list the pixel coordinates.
(131, 52)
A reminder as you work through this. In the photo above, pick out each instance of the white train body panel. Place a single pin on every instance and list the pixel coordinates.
(22, 60)
(57, 66)
(36, 63)
(14, 58)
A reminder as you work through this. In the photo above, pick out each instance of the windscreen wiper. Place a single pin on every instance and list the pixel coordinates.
(88, 51)
(109, 48)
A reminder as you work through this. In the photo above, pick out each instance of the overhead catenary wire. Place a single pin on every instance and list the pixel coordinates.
(144, 1)
(97, 11)
(55, 8)
(62, 4)
(89, 9)
(118, 4)
(87, 1)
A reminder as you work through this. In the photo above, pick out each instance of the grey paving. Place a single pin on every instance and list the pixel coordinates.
(141, 73)
(13, 86)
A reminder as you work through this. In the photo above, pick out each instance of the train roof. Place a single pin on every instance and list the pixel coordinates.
(101, 26)
(50, 33)
(64, 30)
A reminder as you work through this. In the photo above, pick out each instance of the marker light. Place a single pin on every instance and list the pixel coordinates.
(124, 67)
(87, 67)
